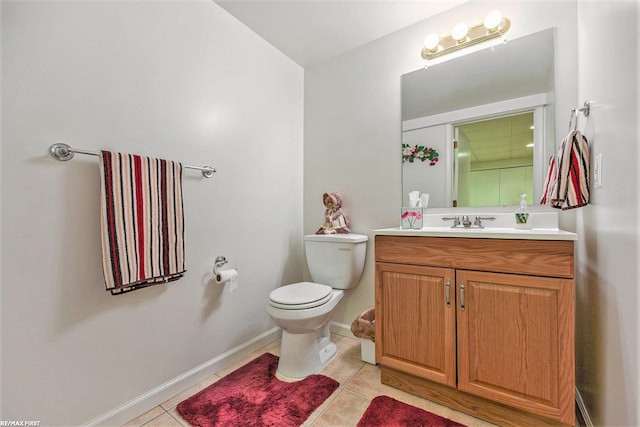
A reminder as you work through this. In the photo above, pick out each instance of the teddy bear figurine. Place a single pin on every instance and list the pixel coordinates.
(335, 222)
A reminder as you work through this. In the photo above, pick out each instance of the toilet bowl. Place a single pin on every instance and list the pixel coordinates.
(303, 310)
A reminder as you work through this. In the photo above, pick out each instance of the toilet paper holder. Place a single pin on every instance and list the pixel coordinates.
(219, 262)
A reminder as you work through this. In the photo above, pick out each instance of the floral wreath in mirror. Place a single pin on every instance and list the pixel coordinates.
(419, 152)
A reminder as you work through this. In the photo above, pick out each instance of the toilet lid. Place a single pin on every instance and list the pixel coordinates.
(300, 296)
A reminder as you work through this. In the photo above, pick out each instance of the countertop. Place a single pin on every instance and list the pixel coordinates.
(476, 233)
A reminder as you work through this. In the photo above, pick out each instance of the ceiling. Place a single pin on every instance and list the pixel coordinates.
(311, 31)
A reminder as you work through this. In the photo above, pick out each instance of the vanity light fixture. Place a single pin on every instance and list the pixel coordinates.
(492, 21)
(494, 25)
(431, 42)
(459, 32)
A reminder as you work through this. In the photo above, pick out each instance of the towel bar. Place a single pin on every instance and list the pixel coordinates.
(63, 152)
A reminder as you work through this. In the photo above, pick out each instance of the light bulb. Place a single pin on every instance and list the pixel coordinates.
(459, 32)
(431, 42)
(493, 20)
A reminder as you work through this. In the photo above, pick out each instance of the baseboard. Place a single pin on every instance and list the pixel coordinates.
(341, 329)
(152, 398)
(583, 409)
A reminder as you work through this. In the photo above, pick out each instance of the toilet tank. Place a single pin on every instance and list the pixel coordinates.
(336, 260)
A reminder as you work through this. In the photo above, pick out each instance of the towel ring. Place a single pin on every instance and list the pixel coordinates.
(585, 109)
(572, 125)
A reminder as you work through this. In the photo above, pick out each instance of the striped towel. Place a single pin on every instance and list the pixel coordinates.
(142, 221)
(567, 181)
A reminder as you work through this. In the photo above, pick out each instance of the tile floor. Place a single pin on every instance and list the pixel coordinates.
(359, 383)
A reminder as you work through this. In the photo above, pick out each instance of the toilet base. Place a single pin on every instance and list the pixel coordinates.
(305, 354)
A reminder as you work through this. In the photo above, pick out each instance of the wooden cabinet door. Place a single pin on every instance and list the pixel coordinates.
(515, 341)
(415, 326)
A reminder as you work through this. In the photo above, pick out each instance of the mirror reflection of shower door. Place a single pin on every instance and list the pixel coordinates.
(456, 170)
(463, 168)
(456, 175)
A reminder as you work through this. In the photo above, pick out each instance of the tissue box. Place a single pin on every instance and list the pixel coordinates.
(411, 218)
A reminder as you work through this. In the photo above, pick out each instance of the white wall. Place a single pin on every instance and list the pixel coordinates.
(608, 253)
(180, 80)
(353, 124)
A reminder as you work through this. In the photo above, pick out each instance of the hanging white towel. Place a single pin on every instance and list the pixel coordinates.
(567, 181)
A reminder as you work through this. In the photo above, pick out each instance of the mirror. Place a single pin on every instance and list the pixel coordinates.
(497, 105)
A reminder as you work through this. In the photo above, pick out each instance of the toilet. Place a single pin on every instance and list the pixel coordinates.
(303, 310)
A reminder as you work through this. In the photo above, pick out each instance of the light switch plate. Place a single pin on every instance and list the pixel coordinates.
(597, 171)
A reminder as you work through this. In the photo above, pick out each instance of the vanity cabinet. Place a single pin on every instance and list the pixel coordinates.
(485, 326)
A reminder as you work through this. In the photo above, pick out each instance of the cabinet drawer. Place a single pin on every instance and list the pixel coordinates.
(552, 258)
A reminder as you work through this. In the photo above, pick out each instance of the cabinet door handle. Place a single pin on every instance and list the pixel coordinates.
(462, 295)
(447, 292)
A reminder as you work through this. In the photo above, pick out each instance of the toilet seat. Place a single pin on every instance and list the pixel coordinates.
(300, 296)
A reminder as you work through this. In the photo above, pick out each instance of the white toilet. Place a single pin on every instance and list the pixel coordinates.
(303, 310)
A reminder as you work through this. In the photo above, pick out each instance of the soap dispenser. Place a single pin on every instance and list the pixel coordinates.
(522, 214)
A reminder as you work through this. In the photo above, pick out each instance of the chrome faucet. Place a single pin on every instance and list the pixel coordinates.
(465, 221)
(455, 219)
(478, 221)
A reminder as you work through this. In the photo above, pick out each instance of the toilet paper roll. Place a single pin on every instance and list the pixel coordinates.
(227, 276)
